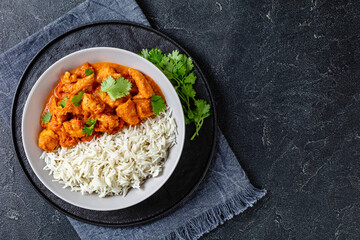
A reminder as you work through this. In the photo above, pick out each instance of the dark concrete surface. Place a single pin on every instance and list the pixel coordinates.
(285, 77)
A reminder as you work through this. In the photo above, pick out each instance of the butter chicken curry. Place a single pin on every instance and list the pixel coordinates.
(94, 99)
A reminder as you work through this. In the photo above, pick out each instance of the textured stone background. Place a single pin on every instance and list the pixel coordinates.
(285, 78)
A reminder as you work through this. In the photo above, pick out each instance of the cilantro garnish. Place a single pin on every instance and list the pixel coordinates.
(88, 72)
(77, 98)
(157, 103)
(63, 102)
(178, 68)
(46, 117)
(116, 88)
(88, 130)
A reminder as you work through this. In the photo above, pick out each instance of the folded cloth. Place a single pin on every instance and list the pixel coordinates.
(224, 192)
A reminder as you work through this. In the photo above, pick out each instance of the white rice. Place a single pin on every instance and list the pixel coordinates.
(113, 164)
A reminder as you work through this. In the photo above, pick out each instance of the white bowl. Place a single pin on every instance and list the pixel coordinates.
(31, 126)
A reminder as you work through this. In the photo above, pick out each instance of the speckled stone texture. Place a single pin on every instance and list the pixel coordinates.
(285, 78)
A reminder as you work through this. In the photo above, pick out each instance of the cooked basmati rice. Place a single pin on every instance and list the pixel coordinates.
(113, 164)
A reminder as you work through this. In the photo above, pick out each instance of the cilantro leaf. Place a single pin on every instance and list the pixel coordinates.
(178, 68)
(77, 98)
(145, 53)
(46, 117)
(107, 84)
(88, 130)
(189, 64)
(202, 106)
(157, 103)
(202, 109)
(116, 88)
(201, 112)
(155, 55)
(88, 72)
(63, 102)
(188, 90)
(175, 55)
(90, 122)
(190, 79)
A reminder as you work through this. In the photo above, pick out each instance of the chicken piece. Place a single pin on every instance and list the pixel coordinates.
(116, 75)
(71, 85)
(106, 98)
(68, 78)
(63, 90)
(83, 84)
(143, 108)
(92, 104)
(109, 110)
(107, 123)
(121, 124)
(87, 116)
(48, 140)
(53, 104)
(62, 114)
(54, 125)
(120, 127)
(127, 111)
(74, 128)
(65, 140)
(155, 87)
(80, 71)
(105, 72)
(48, 109)
(134, 89)
(65, 78)
(145, 89)
(57, 114)
(71, 108)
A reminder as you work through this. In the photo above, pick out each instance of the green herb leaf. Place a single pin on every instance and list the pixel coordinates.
(145, 53)
(157, 103)
(187, 120)
(63, 102)
(178, 68)
(155, 55)
(188, 90)
(189, 64)
(116, 88)
(46, 117)
(88, 130)
(90, 122)
(77, 98)
(88, 72)
(202, 109)
(107, 84)
(190, 79)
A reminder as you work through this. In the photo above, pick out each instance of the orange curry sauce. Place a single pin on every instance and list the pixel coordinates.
(65, 127)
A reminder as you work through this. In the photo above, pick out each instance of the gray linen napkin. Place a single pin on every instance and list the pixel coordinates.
(225, 191)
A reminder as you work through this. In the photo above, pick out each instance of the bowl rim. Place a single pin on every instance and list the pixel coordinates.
(178, 141)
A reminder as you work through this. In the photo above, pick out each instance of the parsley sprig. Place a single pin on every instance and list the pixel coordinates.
(178, 68)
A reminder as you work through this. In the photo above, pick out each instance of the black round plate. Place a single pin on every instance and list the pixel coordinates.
(196, 156)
